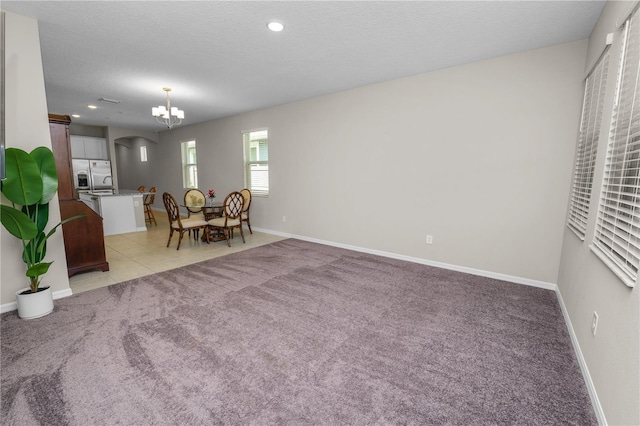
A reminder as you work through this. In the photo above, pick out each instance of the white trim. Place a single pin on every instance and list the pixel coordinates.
(595, 401)
(12, 306)
(613, 266)
(458, 268)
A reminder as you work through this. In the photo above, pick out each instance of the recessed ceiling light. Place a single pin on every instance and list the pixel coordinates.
(92, 106)
(275, 26)
(75, 115)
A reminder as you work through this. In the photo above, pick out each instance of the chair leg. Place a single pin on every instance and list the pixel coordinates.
(170, 235)
(152, 217)
(241, 232)
(226, 234)
(249, 225)
(180, 239)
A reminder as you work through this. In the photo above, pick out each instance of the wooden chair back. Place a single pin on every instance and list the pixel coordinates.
(246, 194)
(233, 204)
(149, 199)
(194, 201)
(173, 210)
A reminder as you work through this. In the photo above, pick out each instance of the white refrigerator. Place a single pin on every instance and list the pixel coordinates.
(100, 175)
(91, 175)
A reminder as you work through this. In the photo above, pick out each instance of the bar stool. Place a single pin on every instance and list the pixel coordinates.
(148, 211)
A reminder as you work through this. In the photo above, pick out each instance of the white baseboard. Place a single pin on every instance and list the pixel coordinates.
(472, 271)
(12, 306)
(595, 401)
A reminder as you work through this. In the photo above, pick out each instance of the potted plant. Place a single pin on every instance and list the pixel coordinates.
(31, 182)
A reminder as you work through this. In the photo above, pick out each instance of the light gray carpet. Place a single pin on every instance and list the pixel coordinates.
(296, 333)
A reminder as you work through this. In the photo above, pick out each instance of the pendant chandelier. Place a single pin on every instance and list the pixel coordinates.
(168, 115)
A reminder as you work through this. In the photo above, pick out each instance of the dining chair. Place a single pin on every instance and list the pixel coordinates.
(178, 224)
(149, 199)
(232, 206)
(194, 201)
(141, 188)
(244, 216)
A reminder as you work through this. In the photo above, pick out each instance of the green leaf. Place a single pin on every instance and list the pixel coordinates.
(48, 173)
(41, 247)
(17, 223)
(38, 269)
(23, 184)
(39, 214)
(35, 250)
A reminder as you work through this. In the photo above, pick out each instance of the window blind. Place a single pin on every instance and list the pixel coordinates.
(594, 93)
(617, 235)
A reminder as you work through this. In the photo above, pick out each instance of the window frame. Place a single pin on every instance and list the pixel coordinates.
(248, 163)
(189, 169)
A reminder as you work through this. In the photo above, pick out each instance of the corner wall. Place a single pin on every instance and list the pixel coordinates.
(27, 127)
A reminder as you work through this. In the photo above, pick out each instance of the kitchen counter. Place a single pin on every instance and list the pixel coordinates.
(117, 192)
(122, 210)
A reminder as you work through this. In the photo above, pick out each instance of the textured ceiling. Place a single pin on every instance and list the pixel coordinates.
(220, 59)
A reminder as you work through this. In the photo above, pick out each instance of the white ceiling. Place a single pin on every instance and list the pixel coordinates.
(220, 59)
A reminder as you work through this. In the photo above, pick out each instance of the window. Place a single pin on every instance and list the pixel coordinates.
(189, 164)
(585, 161)
(617, 237)
(256, 161)
(143, 154)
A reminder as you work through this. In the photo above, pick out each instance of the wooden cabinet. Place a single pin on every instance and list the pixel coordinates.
(61, 152)
(89, 147)
(84, 237)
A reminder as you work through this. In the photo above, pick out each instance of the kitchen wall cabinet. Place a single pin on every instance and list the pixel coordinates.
(84, 237)
(89, 147)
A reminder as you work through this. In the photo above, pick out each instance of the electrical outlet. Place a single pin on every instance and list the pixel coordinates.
(594, 323)
(429, 239)
(284, 219)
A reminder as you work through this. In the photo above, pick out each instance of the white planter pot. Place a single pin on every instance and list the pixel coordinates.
(34, 305)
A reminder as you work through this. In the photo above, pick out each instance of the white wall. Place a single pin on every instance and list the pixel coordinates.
(587, 285)
(132, 172)
(115, 133)
(27, 126)
(479, 156)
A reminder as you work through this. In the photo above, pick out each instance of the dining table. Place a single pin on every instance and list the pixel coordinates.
(213, 210)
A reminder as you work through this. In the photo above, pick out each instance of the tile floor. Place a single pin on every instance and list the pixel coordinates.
(138, 254)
